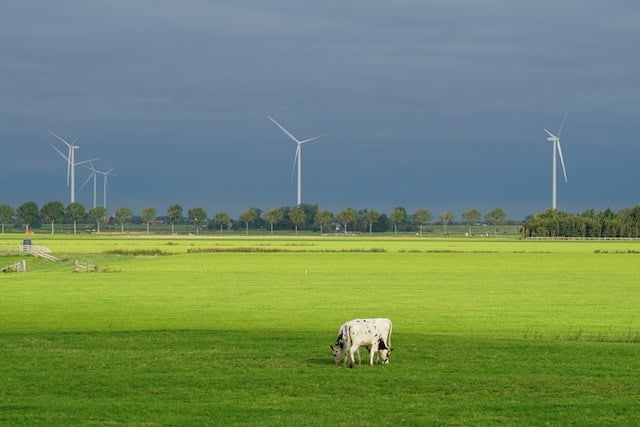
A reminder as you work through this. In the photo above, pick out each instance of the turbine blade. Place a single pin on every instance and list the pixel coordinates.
(111, 170)
(60, 152)
(85, 183)
(286, 132)
(564, 171)
(60, 138)
(78, 137)
(85, 161)
(562, 123)
(550, 134)
(295, 160)
(315, 137)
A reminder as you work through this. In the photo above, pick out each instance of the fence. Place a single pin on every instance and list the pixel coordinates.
(38, 251)
(18, 267)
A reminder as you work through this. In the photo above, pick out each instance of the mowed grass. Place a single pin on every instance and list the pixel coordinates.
(237, 332)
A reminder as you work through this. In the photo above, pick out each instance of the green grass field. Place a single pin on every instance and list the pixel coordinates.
(236, 331)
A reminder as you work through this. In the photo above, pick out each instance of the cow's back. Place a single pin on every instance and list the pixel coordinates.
(368, 331)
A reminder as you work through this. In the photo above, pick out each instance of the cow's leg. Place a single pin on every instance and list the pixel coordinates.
(372, 350)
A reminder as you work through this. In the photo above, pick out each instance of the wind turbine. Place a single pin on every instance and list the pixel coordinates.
(104, 184)
(298, 156)
(92, 175)
(557, 148)
(71, 163)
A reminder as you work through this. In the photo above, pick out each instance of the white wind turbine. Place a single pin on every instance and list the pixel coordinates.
(557, 148)
(298, 156)
(71, 162)
(92, 175)
(104, 183)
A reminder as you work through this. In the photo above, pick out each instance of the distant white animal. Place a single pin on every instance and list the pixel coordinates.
(373, 334)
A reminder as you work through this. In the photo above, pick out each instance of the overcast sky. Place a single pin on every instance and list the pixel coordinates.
(428, 104)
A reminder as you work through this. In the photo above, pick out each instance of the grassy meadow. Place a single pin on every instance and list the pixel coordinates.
(236, 331)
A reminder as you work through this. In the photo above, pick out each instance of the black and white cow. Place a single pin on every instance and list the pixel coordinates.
(373, 334)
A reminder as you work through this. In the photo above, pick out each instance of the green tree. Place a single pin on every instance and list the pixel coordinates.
(198, 216)
(323, 218)
(174, 213)
(371, 216)
(222, 219)
(123, 216)
(495, 217)
(273, 216)
(147, 215)
(310, 212)
(248, 217)
(27, 214)
(98, 215)
(52, 212)
(397, 217)
(471, 217)
(445, 218)
(297, 216)
(346, 217)
(76, 212)
(6, 215)
(422, 217)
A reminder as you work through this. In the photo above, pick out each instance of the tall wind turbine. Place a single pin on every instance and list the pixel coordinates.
(71, 163)
(104, 184)
(557, 148)
(298, 156)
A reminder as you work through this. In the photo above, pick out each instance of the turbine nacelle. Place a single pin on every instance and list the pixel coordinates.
(551, 137)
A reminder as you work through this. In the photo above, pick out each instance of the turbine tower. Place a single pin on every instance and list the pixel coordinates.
(298, 156)
(71, 163)
(557, 148)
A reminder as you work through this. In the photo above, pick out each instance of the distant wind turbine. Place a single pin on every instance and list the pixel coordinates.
(557, 148)
(104, 184)
(92, 175)
(71, 163)
(298, 156)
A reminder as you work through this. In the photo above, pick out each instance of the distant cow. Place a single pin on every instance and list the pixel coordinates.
(373, 334)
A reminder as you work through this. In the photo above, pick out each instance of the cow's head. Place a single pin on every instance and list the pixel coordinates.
(383, 355)
(336, 350)
(383, 352)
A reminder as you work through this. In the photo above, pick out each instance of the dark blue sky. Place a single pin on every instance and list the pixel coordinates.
(437, 105)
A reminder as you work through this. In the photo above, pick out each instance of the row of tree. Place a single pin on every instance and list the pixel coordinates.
(305, 216)
(589, 224)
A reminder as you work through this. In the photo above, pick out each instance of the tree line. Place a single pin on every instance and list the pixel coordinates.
(624, 223)
(302, 217)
